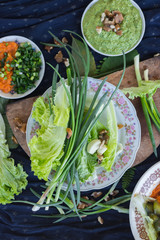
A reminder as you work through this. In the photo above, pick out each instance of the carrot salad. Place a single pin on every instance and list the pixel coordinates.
(7, 54)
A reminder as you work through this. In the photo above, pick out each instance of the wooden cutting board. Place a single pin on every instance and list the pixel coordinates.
(22, 108)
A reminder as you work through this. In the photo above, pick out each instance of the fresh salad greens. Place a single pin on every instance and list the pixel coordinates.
(145, 91)
(12, 178)
(47, 147)
(58, 114)
(26, 67)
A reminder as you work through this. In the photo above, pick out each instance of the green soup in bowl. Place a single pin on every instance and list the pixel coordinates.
(109, 43)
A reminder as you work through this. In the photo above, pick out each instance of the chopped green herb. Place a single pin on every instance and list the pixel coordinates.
(26, 68)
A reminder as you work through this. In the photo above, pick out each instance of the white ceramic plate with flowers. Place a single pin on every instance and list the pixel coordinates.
(149, 180)
(20, 40)
(129, 136)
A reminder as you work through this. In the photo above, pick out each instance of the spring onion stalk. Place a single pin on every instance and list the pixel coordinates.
(144, 106)
(81, 128)
(154, 114)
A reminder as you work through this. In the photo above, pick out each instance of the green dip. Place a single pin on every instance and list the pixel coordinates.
(110, 42)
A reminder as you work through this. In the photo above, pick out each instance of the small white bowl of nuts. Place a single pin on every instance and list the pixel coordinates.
(112, 26)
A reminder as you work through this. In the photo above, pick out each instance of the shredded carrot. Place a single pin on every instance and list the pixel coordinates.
(10, 48)
(156, 193)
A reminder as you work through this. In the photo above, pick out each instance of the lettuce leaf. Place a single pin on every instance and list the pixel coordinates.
(148, 87)
(12, 178)
(85, 164)
(2, 125)
(47, 146)
(111, 123)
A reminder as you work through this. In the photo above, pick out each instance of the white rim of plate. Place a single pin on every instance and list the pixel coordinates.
(41, 72)
(116, 55)
(134, 153)
(135, 191)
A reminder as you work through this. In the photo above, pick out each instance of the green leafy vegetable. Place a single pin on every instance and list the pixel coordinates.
(110, 154)
(145, 91)
(147, 87)
(12, 178)
(127, 178)
(47, 146)
(8, 130)
(26, 67)
(113, 64)
(81, 129)
(85, 164)
(80, 47)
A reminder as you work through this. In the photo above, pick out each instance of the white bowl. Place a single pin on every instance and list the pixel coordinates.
(142, 34)
(20, 39)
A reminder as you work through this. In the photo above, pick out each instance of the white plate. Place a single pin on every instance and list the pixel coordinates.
(20, 39)
(129, 136)
(149, 180)
(114, 55)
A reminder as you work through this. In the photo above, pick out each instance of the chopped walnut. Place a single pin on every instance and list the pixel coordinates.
(103, 16)
(99, 161)
(120, 126)
(103, 136)
(117, 27)
(81, 205)
(64, 40)
(111, 21)
(56, 42)
(119, 32)
(103, 131)
(100, 157)
(48, 48)
(18, 122)
(114, 193)
(106, 28)
(66, 62)
(108, 14)
(69, 133)
(118, 18)
(85, 197)
(14, 140)
(59, 57)
(99, 29)
(107, 198)
(100, 220)
(96, 194)
(23, 128)
(19, 125)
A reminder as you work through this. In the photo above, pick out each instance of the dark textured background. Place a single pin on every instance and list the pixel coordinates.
(33, 19)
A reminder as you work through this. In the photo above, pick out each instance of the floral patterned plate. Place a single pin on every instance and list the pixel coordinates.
(129, 136)
(149, 180)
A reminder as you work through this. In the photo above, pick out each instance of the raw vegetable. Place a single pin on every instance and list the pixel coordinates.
(81, 129)
(7, 54)
(26, 68)
(12, 178)
(145, 91)
(47, 146)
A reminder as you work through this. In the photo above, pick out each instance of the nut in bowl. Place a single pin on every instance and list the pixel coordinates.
(113, 26)
(22, 67)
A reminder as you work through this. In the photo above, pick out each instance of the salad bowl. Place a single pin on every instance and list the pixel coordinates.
(129, 136)
(19, 40)
(149, 180)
